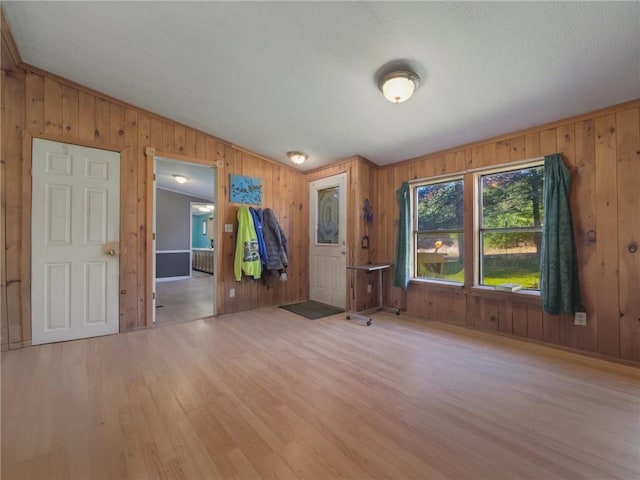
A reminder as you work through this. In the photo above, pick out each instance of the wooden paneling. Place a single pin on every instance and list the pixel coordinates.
(281, 193)
(13, 123)
(52, 107)
(70, 111)
(86, 117)
(583, 196)
(607, 236)
(628, 186)
(601, 149)
(602, 152)
(361, 178)
(36, 104)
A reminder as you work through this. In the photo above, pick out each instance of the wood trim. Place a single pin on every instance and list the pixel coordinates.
(532, 341)
(54, 137)
(369, 162)
(18, 345)
(64, 81)
(346, 161)
(4, 311)
(150, 154)
(511, 297)
(7, 36)
(149, 157)
(266, 159)
(25, 261)
(26, 218)
(525, 131)
(182, 158)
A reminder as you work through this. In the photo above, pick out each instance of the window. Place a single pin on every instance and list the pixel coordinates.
(510, 226)
(437, 230)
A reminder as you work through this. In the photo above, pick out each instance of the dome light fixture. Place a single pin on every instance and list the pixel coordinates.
(398, 85)
(180, 178)
(297, 157)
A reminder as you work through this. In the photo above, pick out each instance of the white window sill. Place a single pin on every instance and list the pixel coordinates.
(520, 295)
(535, 293)
(436, 282)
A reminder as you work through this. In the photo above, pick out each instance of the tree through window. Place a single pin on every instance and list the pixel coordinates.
(438, 223)
(511, 227)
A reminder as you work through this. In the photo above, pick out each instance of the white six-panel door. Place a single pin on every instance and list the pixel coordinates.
(327, 240)
(75, 232)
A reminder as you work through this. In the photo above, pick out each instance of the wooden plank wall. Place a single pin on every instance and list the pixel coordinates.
(603, 152)
(361, 175)
(37, 104)
(602, 149)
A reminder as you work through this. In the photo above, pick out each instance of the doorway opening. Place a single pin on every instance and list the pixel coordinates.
(184, 244)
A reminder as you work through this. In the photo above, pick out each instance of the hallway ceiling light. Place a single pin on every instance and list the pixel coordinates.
(297, 157)
(399, 85)
(205, 208)
(180, 178)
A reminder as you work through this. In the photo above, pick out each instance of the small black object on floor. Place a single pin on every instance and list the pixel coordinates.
(312, 310)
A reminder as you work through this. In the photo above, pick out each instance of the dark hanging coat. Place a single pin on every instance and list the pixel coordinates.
(275, 242)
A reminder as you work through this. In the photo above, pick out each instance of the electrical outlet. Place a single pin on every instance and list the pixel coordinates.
(228, 228)
(369, 288)
(232, 292)
(580, 318)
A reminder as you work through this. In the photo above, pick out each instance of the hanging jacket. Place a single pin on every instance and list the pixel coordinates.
(275, 242)
(247, 258)
(257, 224)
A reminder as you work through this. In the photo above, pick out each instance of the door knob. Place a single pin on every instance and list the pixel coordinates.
(111, 249)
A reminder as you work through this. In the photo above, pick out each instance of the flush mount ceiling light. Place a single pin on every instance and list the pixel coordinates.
(297, 157)
(205, 208)
(180, 178)
(398, 85)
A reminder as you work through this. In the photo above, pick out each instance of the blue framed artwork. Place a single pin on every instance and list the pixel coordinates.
(245, 190)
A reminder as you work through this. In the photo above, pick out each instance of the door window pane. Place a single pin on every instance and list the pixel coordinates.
(328, 215)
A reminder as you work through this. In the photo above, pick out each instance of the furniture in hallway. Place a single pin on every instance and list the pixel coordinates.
(202, 259)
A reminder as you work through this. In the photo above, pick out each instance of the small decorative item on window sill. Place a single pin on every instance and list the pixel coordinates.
(508, 287)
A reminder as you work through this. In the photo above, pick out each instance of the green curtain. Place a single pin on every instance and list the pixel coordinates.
(559, 285)
(401, 275)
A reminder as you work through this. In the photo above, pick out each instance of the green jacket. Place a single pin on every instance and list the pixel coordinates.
(247, 257)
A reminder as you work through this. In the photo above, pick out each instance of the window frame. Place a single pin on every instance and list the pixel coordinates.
(477, 218)
(415, 184)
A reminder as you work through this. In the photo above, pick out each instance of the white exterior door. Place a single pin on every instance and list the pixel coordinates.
(327, 240)
(75, 230)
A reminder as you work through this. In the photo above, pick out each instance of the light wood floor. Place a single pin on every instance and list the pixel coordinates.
(184, 300)
(268, 394)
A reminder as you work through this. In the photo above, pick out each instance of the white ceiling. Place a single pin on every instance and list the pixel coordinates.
(201, 181)
(279, 76)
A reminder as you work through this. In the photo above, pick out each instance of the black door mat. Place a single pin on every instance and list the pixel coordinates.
(312, 310)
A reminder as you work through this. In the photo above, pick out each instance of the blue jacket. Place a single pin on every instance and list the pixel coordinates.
(257, 224)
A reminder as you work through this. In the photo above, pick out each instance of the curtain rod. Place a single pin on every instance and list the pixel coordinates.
(479, 169)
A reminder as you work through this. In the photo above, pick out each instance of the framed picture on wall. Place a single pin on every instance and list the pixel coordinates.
(247, 190)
